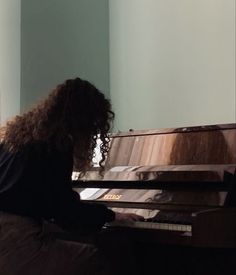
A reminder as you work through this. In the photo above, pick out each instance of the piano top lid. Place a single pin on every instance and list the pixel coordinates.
(202, 128)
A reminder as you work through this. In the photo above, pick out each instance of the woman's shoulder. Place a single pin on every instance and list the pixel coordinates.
(8, 155)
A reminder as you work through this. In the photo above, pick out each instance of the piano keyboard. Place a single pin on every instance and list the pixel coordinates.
(152, 225)
(163, 220)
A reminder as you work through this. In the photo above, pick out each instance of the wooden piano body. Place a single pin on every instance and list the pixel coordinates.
(187, 170)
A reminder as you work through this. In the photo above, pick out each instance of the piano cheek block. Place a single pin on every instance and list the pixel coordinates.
(214, 228)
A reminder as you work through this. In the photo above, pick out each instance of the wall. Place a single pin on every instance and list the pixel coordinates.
(63, 39)
(172, 63)
(10, 59)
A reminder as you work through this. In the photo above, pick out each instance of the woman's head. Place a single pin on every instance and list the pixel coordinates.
(74, 110)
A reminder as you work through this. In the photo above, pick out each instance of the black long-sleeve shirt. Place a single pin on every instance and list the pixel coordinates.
(36, 182)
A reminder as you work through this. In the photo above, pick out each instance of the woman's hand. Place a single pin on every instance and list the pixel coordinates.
(127, 217)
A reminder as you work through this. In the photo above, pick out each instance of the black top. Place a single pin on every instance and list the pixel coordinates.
(36, 182)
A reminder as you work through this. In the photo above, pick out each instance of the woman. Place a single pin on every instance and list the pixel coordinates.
(37, 153)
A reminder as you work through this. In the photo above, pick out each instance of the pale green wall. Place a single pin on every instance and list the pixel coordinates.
(172, 62)
(10, 59)
(62, 39)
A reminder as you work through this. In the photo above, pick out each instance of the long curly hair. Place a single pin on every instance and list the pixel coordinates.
(75, 112)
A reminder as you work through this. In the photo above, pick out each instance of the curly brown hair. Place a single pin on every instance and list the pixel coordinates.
(75, 111)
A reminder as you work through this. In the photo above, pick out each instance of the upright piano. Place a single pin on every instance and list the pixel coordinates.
(183, 182)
